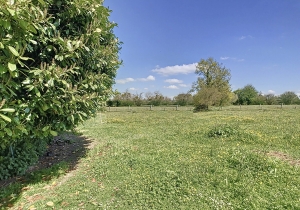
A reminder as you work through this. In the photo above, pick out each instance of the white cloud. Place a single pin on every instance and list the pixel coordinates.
(133, 89)
(224, 58)
(174, 70)
(182, 85)
(171, 87)
(271, 92)
(173, 81)
(123, 81)
(232, 58)
(149, 78)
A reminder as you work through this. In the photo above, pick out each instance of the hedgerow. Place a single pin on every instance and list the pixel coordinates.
(58, 61)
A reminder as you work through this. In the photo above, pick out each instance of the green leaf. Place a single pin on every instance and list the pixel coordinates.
(26, 81)
(5, 118)
(56, 102)
(8, 131)
(32, 29)
(13, 51)
(8, 110)
(1, 45)
(24, 58)
(53, 133)
(30, 87)
(45, 107)
(45, 128)
(12, 66)
(32, 41)
(42, 2)
(37, 92)
(12, 12)
(3, 69)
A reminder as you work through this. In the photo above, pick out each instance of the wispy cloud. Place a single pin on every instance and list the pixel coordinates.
(173, 81)
(245, 37)
(132, 89)
(149, 78)
(224, 58)
(171, 87)
(232, 58)
(242, 37)
(126, 80)
(177, 69)
(182, 85)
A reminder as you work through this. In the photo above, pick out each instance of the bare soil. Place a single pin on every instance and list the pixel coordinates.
(284, 157)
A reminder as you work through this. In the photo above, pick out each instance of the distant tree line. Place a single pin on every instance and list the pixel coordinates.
(248, 95)
(149, 98)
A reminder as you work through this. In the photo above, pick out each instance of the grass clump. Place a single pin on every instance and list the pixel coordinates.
(223, 130)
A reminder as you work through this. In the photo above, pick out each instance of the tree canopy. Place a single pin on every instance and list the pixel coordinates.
(212, 86)
(289, 97)
(247, 95)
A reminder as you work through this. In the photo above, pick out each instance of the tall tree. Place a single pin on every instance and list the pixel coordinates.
(246, 95)
(183, 99)
(212, 86)
(271, 99)
(288, 98)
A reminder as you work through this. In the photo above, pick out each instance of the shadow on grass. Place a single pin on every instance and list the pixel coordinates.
(62, 156)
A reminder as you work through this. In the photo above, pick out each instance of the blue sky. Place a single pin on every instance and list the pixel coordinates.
(258, 40)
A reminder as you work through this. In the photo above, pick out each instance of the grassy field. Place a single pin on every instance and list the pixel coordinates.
(229, 159)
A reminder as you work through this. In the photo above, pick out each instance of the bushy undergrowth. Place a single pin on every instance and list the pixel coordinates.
(16, 158)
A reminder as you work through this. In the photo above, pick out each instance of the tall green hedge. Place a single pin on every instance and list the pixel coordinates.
(58, 61)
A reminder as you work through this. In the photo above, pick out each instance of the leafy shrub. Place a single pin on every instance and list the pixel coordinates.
(56, 68)
(200, 107)
(15, 159)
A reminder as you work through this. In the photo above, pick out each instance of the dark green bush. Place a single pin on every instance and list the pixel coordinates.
(16, 158)
(58, 61)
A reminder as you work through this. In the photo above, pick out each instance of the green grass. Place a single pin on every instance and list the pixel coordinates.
(179, 160)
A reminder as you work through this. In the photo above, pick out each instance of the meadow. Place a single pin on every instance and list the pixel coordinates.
(234, 158)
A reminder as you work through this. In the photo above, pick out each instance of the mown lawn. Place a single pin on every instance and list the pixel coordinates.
(228, 159)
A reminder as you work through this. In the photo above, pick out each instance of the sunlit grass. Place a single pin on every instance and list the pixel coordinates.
(167, 160)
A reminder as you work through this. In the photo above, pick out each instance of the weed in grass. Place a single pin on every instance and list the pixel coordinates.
(223, 130)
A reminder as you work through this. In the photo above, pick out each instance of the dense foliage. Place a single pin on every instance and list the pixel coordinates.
(246, 95)
(58, 61)
(212, 86)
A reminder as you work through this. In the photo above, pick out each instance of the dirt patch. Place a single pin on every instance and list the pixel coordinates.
(284, 157)
(67, 147)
